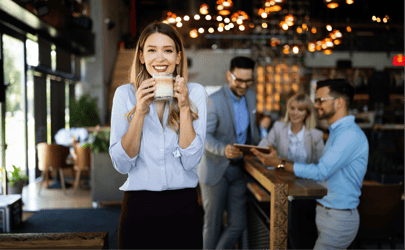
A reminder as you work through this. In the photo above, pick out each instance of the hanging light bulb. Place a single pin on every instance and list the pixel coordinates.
(227, 27)
(327, 51)
(211, 30)
(227, 20)
(311, 47)
(349, 1)
(186, 18)
(299, 30)
(305, 26)
(224, 7)
(197, 17)
(179, 24)
(337, 42)
(264, 25)
(329, 27)
(264, 15)
(231, 25)
(220, 29)
(204, 9)
(241, 27)
(328, 42)
(239, 21)
(313, 30)
(286, 49)
(201, 30)
(348, 29)
(193, 33)
(219, 18)
(208, 17)
(289, 19)
(296, 49)
(332, 4)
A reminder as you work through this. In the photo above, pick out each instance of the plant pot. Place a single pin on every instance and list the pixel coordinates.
(16, 188)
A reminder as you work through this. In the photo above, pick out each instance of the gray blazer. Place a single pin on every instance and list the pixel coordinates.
(221, 131)
(278, 137)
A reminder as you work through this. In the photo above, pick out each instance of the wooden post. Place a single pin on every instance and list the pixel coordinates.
(279, 216)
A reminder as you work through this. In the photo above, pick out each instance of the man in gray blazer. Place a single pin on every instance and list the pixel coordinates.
(231, 119)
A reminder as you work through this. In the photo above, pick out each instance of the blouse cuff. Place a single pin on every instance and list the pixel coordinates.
(121, 156)
(194, 147)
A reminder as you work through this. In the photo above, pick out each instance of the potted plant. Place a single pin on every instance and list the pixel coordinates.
(16, 180)
(84, 112)
(99, 141)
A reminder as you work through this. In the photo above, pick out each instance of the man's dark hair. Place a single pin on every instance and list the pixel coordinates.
(338, 88)
(242, 62)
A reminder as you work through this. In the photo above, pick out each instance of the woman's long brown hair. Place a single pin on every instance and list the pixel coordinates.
(138, 72)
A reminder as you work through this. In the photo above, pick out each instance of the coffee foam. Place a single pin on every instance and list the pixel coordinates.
(164, 88)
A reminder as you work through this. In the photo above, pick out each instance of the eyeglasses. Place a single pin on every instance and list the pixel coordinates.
(319, 101)
(240, 82)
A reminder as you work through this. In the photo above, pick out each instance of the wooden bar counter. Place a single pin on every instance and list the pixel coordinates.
(280, 185)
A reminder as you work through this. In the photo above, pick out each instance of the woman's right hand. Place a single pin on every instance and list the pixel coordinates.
(145, 95)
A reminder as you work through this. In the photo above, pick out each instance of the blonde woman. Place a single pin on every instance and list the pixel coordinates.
(297, 140)
(159, 144)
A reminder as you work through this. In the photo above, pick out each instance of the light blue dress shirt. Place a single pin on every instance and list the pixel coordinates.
(161, 163)
(241, 117)
(342, 166)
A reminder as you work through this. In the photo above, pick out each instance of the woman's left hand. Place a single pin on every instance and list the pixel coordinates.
(180, 91)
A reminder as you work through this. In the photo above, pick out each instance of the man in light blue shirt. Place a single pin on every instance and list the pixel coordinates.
(341, 168)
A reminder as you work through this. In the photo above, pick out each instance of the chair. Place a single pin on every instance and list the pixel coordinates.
(379, 213)
(82, 162)
(52, 157)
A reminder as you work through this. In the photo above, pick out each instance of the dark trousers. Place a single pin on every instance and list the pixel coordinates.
(160, 220)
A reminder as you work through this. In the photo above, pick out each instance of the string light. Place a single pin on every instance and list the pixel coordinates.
(197, 17)
(208, 17)
(201, 30)
(186, 18)
(179, 25)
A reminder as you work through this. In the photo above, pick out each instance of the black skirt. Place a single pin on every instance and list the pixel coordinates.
(168, 219)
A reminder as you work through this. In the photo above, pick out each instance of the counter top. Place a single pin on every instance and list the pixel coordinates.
(296, 186)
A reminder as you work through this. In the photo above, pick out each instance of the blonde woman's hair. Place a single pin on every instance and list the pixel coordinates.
(304, 102)
(138, 72)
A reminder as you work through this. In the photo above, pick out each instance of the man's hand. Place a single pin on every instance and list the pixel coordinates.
(232, 152)
(270, 159)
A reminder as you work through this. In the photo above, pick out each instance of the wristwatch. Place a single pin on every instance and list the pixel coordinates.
(281, 165)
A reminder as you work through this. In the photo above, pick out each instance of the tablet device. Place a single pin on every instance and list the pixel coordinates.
(246, 149)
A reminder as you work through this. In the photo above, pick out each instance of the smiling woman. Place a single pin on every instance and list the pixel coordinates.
(159, 146)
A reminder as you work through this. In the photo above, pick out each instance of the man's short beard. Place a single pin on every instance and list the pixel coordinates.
(327, 115)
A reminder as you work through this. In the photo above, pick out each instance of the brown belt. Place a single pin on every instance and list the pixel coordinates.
(328, 208)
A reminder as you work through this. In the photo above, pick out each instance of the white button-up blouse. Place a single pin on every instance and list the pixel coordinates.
(161, 163)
